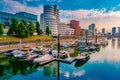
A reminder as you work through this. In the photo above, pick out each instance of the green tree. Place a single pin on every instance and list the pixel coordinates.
(31, 28)
(48, 31)
(38, 30)
(13, 26)
(1, 29)
(22, 30)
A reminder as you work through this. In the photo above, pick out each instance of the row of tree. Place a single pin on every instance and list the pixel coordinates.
(24, 29)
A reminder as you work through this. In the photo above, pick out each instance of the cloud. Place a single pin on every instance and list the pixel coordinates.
(67, 75)
(101, 18)
(113, 56)
(78, 73)
(14, 6)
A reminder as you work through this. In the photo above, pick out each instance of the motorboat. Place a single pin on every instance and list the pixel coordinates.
(19, 54)
(82, 56)
(92, 48)
(44, 58)
(31, 57)
(9, 53)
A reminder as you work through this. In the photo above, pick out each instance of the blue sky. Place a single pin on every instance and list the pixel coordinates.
(104, 13)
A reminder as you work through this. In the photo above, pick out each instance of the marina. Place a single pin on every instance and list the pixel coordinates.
(65, 63)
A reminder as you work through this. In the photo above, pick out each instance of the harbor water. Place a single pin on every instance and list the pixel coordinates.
(102, 65)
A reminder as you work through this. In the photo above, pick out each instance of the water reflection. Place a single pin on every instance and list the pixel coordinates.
(108, 54)
(102, 65)
(79, 63)
(15, 67)
(118, 43)
(50, 69)
(113, 43)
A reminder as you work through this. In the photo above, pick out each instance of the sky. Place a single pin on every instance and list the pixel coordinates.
(104, 13)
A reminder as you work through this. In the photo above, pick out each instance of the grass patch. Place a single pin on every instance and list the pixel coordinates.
(17, 39)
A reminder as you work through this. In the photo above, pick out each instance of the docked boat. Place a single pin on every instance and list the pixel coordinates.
(92, 48)
(82, 56)
(31, 57)
(19, 54)
(44, 58)
(9, 53)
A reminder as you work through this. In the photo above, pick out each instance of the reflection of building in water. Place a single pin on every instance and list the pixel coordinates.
(51, 69)
(13, 67)
(118, 43)
(113, 43)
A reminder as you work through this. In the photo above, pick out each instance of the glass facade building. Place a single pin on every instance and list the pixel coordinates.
(5, 18)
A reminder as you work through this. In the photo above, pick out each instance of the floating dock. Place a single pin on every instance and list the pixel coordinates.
(65, 60)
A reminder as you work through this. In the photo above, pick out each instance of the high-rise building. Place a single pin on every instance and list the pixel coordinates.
(103, 30)
(75, 25)
(92, 28)
(50, 17)
(113, 31)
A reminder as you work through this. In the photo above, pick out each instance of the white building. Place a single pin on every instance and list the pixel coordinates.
(65, 30)
(50, 17)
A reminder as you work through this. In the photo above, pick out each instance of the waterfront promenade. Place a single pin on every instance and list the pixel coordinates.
(17, 45)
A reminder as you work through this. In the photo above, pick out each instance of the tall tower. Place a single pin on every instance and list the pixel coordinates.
(103, 30)
(113, 31)
(50, 17)
(92, 28)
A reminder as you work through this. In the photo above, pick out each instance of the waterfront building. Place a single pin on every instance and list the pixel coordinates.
(75, 25)
(50, 17)
(5, 18)
(92, 28)
(26, 16)
(103, 30)
(113, 31)
(82, 32)
(65, 30)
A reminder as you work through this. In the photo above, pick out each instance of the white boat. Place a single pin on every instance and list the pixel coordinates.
(18, 53)
(92, 48)
(9, 52)
(82, 56)
(44, 58)
(31, 56)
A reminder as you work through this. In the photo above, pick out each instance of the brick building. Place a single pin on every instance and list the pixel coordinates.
(75, 25)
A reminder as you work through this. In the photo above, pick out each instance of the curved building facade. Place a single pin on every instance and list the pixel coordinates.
(50, 17)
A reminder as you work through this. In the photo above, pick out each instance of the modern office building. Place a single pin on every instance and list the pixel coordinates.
(65, 30)
(5, 18)
(26, 16)
(50, 17)
(113, 31)
(75, 25)
(92, 28)
(103, 32)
